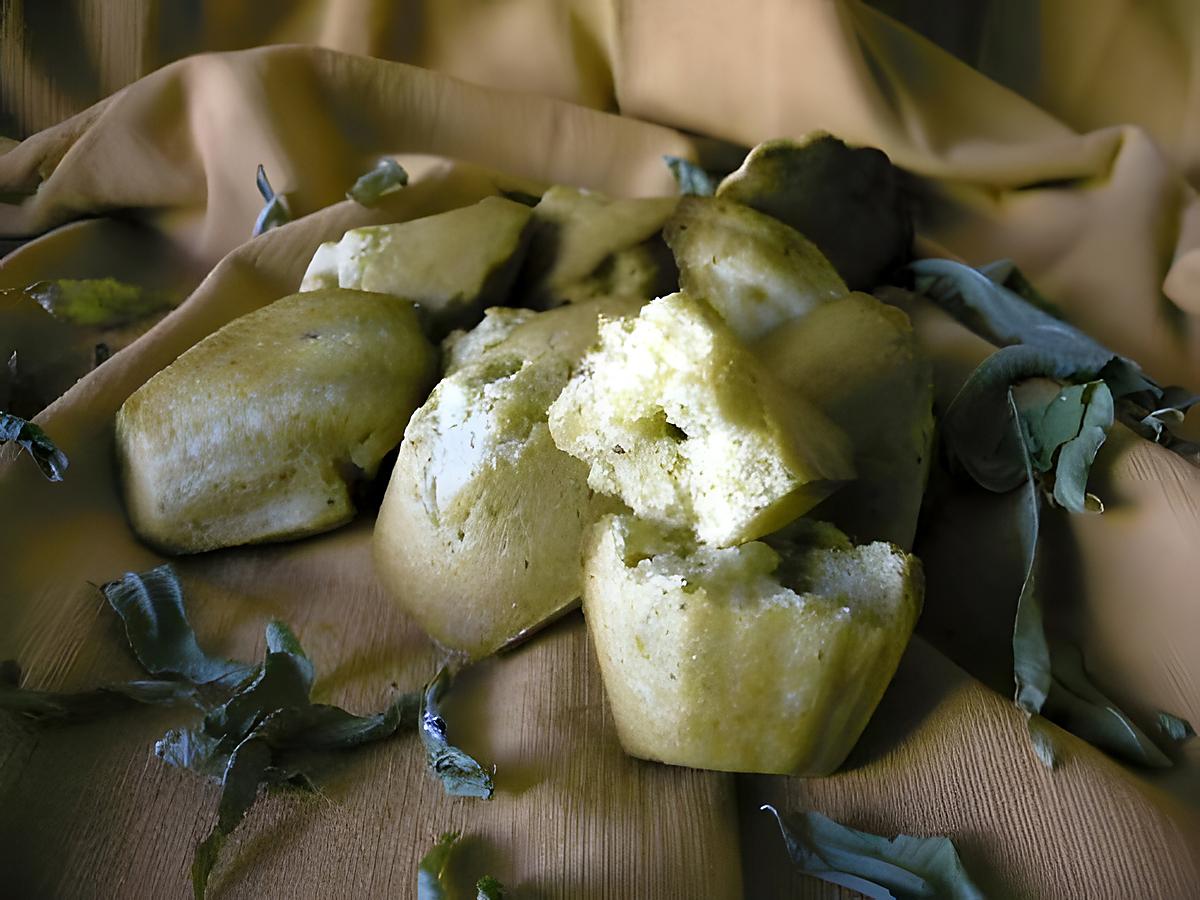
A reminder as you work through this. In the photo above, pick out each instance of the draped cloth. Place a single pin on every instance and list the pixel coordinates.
(1052, 158)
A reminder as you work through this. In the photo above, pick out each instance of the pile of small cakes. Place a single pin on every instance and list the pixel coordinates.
(680, 410)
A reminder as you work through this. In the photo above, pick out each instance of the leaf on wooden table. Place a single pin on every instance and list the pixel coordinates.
(882, 868)
(44, 706)
(488, 888)
(385, 177)
(30, 438)
(460, 774)
(432, 869)
(151, 606)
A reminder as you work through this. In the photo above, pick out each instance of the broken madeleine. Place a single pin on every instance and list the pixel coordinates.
(674, 416)
(756, 271)
(586, 245)
(859, 361)
(748, 658)
(453, 264)
(260, 431)
(849, 201)
(480, 534)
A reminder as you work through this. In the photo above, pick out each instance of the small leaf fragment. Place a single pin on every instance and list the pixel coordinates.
(280, 749)
(44, 706)
(1076, 704)
(386, 177)
(431, 871)
(1175, 728)
(460, 774)
(488, 888)
(98, 302)
(162, 639)
(901, 867)
(690, 177)
(275, 212)
(30, 438)
(1076, 456)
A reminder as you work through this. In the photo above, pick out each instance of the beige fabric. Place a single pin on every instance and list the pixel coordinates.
(1103, 222)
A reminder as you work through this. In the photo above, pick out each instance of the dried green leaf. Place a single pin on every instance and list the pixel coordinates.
(244, 775)
(162, 639)
(690, 177)
(1042, 738)
(1031, 650)
(281, 748)
(386, 176)
(43, 706)
(881, 868)
(1078, 706)
(978, 425)
(99, 302)
(1004, 272)
(1076, 456)
(30, 438)
(1175, 728)
(261, 726)
(431, 871)
(488, 888)
(275, 212)
(1051, 681)
(1056, 423)
(461, 775)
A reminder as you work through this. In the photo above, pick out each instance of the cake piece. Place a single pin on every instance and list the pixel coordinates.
(261, 431)
(480, 534)
(751, 658)
(675, 417)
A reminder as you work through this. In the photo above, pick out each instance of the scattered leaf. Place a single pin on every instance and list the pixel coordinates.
(1077, 454)
(1031, 651)
(98, 302)
(488, 888)
(1052, 681)
(386, 177)
(1045, 450)
(260, 727)
(978, 425)
(1005, 273)
(1078, 706)
(431, 871)
(41, 706)
(881, 868)
(275, 212)
(1003, 317)
(30, 438)
(1175, 728)
(461, 775)
(162, 639)
(690, 177)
